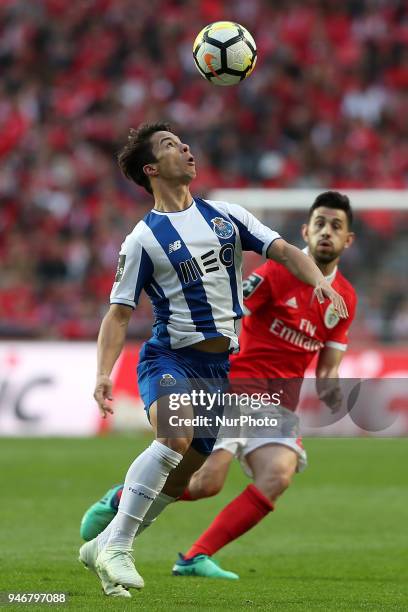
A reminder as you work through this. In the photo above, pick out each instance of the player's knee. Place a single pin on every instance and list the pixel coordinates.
(274, 483)
(206, 485)
(179, 445)
(209, 489)
(282, 482)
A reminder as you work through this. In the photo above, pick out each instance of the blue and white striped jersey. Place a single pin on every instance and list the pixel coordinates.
(189, 263)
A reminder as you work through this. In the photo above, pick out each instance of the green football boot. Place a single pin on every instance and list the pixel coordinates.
(100, 514)
(202, 566)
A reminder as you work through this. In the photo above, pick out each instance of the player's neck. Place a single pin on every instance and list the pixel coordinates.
(327, 268)
(171, 198)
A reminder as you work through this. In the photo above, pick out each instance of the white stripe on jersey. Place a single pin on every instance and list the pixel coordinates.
(336, 345)
(180, 323)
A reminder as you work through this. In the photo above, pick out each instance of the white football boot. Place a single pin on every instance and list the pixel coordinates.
(88, 554)
(118, 567)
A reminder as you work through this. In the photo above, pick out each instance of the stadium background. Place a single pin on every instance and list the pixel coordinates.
(324, 108)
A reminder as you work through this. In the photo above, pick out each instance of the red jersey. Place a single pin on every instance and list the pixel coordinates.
(286, 326)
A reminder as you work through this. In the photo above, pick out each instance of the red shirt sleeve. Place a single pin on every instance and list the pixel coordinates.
(257, 287)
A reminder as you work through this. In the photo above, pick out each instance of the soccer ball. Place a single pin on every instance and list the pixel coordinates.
(224, 53)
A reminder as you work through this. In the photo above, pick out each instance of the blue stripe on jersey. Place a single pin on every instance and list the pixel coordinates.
(161, 310)
(145, 274)
(208, 212)
(249, 241)
(194, 294)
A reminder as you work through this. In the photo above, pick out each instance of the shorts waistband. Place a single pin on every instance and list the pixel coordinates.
(201, 356)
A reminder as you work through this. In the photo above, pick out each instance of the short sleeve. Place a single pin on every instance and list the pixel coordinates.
(338, 338)
(134, 271)
(258, 287)
(255, 236)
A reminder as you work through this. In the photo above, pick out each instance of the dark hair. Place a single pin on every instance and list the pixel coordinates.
(137, 152)
(333, 199)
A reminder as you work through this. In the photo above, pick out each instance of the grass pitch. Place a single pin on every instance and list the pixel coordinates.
(337, 541)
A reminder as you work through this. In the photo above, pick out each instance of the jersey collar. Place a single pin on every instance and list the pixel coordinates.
(175, 212)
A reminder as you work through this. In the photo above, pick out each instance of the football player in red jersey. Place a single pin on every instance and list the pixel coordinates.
(283, 331)
(285, 328)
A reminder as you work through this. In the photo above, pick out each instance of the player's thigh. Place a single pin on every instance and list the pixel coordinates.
(172, 427)
(272, 462)
(179, 477)
(210, 478)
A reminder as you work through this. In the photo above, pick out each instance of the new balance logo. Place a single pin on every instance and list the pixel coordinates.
(292, 302)
(174, 246)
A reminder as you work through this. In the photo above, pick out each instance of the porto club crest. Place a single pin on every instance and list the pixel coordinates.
(167, 380)
(222, 228)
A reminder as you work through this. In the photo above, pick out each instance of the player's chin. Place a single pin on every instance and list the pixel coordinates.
(191, 173)
(325, 255)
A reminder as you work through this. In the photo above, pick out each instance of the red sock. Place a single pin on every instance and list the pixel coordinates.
(115, 501)
(238, 517)
(186, 496)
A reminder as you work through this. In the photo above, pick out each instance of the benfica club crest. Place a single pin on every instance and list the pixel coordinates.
(331, 317)
(222, 228)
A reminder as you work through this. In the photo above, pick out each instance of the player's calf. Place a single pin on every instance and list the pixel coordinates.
(179, 478)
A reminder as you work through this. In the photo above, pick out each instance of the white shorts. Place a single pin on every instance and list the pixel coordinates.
(240, 447)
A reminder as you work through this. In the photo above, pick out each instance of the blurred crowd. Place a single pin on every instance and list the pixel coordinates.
(325, 107)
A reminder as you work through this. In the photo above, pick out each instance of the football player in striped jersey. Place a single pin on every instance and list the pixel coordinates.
(186, 254)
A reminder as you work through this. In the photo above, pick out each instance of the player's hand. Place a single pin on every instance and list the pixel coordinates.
(324, 290)
(332, 397)
(103, 394)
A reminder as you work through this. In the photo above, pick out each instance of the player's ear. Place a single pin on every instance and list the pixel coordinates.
(304, 231)
(150, 170)
(349, 240)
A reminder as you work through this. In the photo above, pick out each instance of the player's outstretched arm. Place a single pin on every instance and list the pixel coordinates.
(304, 268)
(111, 339)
